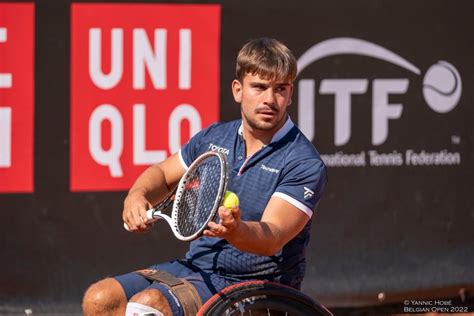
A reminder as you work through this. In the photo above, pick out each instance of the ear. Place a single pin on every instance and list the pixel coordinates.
(237, 90)
(290, 95)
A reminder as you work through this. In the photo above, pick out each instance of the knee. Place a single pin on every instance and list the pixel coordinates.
(153, 298)
(103, 296)
(148, 297)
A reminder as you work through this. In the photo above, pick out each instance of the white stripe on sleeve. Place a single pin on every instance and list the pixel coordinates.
(185, 166)
(295, 203)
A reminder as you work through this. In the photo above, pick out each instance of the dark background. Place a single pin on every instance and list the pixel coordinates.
(403, 230)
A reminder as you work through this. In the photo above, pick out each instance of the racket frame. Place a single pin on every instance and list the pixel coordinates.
(156, 212)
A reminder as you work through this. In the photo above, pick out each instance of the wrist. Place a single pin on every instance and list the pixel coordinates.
(134, 196)
(237, 233)
(136, 193)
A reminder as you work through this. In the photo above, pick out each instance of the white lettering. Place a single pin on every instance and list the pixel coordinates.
(306, 107)
(153, 60)
(5, 137)
(148, 59)
(101, 80)
(141, 156)
(185, 59)
(5, 116)
(342, 90)
(340, 159)
(180, 113)
(382, 111)
(220, 149)
(6, 80)
(273, 170)
(3, 34)
(385, 159)
(111, 157)
(424, 158)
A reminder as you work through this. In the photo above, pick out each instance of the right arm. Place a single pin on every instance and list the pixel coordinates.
(150, 188)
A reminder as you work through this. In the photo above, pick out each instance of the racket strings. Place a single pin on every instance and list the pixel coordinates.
(199, 197)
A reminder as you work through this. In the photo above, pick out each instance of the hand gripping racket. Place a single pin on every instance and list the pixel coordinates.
(196, 198)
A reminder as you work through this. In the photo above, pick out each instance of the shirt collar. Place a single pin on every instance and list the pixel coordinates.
(279, 134)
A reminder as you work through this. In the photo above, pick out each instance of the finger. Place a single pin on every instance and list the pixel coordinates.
(137, 220)
(125, 221)
(230, 212)
(216, 229)
(226, 216)
(208, 233)
(145, 224)
(128, 220)
(141, 231)
(212, 226)
(144, 211)
(224, 213)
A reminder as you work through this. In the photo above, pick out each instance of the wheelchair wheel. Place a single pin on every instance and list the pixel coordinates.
(261, 298)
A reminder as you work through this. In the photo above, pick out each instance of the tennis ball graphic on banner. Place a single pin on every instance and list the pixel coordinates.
(442, 87)
(230, 200)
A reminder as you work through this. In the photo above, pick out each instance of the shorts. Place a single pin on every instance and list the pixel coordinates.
(206, 284)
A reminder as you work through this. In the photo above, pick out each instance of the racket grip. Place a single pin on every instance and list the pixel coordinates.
(149, 215)
(149, 219)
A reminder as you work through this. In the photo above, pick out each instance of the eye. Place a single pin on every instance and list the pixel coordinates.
(259, 87)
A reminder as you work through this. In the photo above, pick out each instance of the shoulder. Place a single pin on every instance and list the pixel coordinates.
(217, 136)
(300, 149)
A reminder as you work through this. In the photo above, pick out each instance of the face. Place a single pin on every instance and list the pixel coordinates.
(263, 102)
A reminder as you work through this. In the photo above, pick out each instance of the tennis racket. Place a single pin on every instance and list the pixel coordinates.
(195, 200)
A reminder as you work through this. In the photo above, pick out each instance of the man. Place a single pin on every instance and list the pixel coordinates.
(277, 174)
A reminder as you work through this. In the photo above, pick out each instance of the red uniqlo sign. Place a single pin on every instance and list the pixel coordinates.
(16, 97)
(144, 79)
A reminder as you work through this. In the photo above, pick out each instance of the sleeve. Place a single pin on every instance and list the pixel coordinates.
(193, 148)
(303, 184)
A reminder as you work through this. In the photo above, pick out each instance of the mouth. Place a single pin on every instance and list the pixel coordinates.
(268, 113)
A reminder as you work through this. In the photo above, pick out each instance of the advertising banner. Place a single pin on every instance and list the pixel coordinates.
(144, 79)
(16, 97)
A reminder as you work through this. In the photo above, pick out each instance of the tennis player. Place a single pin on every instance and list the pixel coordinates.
(278, 176)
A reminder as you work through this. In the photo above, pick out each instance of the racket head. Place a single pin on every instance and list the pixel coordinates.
(199, 195)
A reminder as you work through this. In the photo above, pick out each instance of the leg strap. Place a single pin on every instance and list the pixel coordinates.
(184, 291)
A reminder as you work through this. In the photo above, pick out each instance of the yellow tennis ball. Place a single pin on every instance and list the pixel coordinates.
(230, 199)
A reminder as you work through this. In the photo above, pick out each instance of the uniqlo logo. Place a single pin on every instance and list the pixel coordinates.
(144, 79)
(16, 96)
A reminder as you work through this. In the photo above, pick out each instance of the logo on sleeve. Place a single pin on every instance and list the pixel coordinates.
(308, 193)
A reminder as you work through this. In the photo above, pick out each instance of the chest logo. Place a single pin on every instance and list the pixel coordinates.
(273, 170)
(219, 149)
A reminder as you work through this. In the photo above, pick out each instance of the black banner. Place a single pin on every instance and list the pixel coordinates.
(384, 91)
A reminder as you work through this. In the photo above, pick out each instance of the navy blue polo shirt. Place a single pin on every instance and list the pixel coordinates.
(290, 168)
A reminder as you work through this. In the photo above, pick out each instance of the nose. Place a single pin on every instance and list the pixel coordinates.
(269, 97)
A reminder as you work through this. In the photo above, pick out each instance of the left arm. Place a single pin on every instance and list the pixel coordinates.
(281, 222)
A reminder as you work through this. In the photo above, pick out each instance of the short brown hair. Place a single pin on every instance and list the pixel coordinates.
(268, 58)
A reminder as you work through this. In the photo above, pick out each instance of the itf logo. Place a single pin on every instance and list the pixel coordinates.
(442, 89)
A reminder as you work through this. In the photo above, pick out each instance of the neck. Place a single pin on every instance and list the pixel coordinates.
(255, 139)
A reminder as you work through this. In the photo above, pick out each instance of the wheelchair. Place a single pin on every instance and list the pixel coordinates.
(261, 298)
